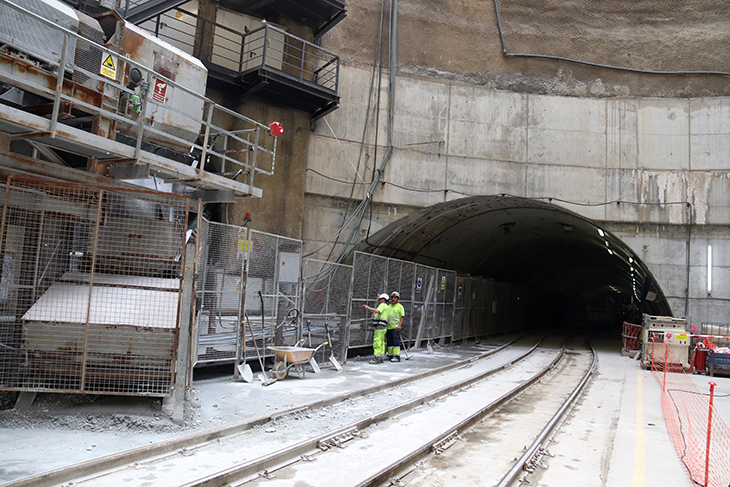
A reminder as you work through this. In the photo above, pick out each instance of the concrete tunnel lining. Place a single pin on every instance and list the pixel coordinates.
(523, 242)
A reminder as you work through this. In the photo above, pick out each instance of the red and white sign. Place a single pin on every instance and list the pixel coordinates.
(160, 91)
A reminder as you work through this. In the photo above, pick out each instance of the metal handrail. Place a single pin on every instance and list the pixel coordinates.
(264, 47)
(207, 127)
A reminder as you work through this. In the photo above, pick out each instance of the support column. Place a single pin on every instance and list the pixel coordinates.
(174, 406)
(205, 30)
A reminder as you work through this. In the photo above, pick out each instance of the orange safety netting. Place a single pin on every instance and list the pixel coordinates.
(630, 337)
(688, 414)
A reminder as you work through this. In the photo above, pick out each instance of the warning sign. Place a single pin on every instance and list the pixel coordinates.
(160, 91)
(109, 66)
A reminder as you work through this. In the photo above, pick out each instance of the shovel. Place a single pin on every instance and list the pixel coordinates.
(244, 370)
(313, 363)
(429, 347)
(333, 360)
(408, 357)
(267, 381)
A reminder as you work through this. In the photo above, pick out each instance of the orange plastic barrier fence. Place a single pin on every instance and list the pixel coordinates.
(700, 436)
(630, 337)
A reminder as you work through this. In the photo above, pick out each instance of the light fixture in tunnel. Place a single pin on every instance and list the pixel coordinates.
(709, 269)
(600, 232)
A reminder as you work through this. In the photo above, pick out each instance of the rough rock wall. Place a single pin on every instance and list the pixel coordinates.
(457, 39)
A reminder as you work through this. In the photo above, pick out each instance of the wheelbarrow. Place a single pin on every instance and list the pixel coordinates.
(288, 357)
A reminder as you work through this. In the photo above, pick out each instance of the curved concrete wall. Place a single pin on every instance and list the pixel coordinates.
(650, 166)
(646, 154)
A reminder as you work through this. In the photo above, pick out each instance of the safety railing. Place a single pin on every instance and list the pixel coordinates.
(244, 49)
(155, 109)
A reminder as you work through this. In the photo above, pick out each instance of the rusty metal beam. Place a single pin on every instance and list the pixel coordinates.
(103, 148)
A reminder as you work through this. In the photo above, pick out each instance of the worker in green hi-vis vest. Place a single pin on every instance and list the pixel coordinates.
(380, 322)
(396, 314)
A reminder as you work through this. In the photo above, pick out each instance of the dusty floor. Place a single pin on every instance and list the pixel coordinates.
(59, 430)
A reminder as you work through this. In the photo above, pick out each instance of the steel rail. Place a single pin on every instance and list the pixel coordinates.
(427, 448)
(288, 456)
(171, 446)
(542, 438)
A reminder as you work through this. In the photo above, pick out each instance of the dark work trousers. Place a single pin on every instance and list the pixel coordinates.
(392, 340)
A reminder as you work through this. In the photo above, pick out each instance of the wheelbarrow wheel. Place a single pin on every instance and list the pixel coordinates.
(279, 370)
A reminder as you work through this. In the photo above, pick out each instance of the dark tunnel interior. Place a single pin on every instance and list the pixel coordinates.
(581, 274)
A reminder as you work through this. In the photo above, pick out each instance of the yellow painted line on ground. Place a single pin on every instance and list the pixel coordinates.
(640, 447)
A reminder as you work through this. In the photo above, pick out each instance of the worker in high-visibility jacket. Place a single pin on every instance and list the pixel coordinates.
(380, 322)
(396, 314)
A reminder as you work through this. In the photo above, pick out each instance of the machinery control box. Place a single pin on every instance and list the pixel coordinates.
(660, 332)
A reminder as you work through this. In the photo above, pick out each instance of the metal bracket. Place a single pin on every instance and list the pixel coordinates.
(338, 440)
(446, 443)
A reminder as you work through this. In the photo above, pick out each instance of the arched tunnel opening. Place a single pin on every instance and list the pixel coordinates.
(564, 269)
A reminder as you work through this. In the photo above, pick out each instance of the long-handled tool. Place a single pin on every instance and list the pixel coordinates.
(244, 370)
(429, 347)
(408, 357)
(333, 359)
(267, 381)
(312, 362)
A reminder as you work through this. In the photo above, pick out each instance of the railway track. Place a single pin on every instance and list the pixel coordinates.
(367, 439)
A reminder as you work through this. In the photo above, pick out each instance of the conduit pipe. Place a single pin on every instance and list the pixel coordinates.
(391, 115)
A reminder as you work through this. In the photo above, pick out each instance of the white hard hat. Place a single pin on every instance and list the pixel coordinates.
(384, 296)
(396, 294)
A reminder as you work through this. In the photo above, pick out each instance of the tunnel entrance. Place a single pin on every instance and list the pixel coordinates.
(579, 273)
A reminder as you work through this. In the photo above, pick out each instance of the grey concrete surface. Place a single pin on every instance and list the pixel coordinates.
(602, 445)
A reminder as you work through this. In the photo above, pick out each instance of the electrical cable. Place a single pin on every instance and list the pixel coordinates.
(588, 63)
(543, 198)
(364, 134)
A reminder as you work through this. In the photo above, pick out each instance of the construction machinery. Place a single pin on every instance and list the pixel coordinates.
(660, 332)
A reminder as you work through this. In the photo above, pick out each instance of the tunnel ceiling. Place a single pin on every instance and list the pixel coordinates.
(523, 242)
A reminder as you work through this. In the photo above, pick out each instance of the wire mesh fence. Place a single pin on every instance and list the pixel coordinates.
(326, 307)
(220, 283)
(700, 436)
(273, 287)
(90, 288)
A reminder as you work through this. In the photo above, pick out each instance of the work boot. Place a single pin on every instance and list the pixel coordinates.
(395, 358)
(378, 359)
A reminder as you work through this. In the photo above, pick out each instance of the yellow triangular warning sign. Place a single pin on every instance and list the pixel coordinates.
(109, 62)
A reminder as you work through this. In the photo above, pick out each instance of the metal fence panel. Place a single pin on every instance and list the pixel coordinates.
(326, 307)
(424, 304)
(461, 308)
(219, 285)
(90, 288)
(401, 278)
(273, 285)
(368, 281)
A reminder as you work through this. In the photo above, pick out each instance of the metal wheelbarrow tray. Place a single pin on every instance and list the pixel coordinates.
(288, 357)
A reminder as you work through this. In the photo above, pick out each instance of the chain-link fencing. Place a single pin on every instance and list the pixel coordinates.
(326, 308)
(219, 289)
(90, 288)
(273, 285)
